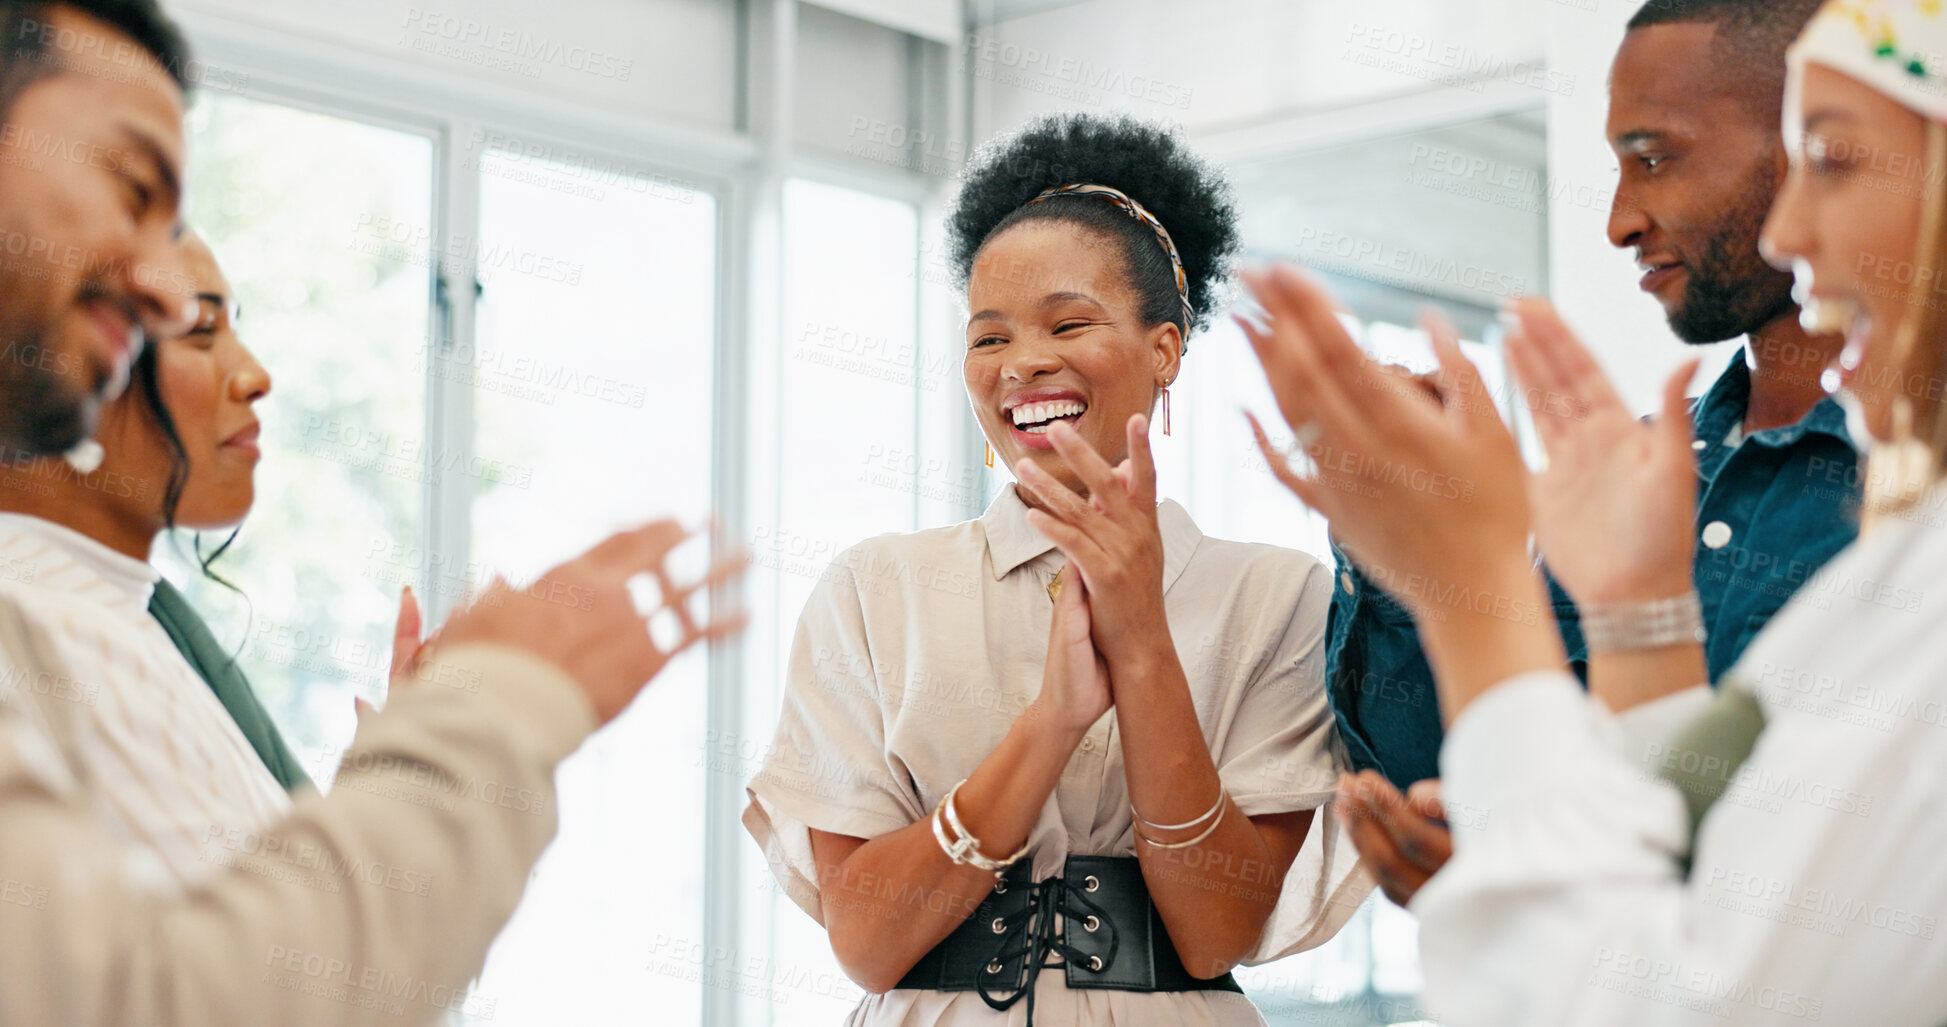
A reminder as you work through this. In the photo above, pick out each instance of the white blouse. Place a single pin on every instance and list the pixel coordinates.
(916, 653)
(1816, 893)
(176, 778)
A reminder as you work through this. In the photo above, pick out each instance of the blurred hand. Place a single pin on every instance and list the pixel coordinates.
(1615, 510)
(1075, 690)
(1423, 485)
(1426, 383)
(580, 615)
(1401, 838)
(408, 651)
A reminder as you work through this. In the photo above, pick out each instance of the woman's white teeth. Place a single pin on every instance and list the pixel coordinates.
(1830, 315)
(1038, 415)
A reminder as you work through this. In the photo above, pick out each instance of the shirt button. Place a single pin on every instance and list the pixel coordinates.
(1088, 745)
(1345, 582)
(1700, 445)
(1717, 535)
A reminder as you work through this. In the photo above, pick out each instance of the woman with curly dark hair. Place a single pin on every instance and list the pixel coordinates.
(948, 794)
(174, 734)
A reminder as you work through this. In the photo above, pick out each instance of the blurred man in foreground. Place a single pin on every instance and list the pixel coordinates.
(375, 904)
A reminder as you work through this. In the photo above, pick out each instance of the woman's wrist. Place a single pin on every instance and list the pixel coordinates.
(1047, 730)
(1141, 655)
(1636, 626)
(1667, 583)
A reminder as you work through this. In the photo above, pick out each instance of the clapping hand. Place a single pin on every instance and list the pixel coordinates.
(1615, 508)
(1426, 485)
(1402, 839)
(1111, 537)
(1075, 688)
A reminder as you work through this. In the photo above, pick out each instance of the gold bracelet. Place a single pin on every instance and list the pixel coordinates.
(1198, 840)
(964, 850)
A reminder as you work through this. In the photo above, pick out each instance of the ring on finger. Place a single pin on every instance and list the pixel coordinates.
(1307, 436)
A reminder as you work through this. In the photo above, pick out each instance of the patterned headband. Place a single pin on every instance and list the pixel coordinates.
(1897, 47)
(1135, 210)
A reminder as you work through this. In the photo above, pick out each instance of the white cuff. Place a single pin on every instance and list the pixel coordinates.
(1648, 728)
(1511, 744)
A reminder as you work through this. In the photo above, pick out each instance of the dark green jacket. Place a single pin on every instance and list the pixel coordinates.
(194, 640)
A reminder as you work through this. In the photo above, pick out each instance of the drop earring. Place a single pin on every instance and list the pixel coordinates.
(1166, 410)
(990, 454)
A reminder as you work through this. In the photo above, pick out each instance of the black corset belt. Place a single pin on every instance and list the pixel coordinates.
(1096, 916)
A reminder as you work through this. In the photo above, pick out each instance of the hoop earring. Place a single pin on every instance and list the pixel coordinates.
(1166, 410)
(990, 454)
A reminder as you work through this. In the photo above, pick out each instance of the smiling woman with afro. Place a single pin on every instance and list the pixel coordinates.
(1073, 755)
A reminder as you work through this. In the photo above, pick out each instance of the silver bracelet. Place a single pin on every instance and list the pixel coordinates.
(1198, 840)
(1222, 797)
(1630, 627)
(964, 850)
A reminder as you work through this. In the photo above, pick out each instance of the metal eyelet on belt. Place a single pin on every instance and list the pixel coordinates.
(993, 966)
(1091, 924)
(1091, 883)
(1095, 963)
(1000, 925)
(1000, 887)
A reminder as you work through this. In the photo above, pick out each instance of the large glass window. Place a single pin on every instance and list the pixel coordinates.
(839, 463)
(435, 435)
(593, 408)
(322, 225)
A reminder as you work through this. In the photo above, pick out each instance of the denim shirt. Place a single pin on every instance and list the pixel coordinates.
(1770, 512)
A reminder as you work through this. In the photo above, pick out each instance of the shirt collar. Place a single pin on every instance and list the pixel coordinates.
(1011, 543)
(53, 557)
(1729, 399)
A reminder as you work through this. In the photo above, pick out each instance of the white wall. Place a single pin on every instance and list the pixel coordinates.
(1355, 132)
(1221, 64)
(938, 20)
(1593, 282)
(670, 58)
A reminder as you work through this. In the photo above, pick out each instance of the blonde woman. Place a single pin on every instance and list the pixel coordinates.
(1650, 855)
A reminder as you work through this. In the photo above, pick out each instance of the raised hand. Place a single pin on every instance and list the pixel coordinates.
(1111, 537)
(408, 651)
(1429, 491)
(1425, 485)
(1615, 509)
(581, 617)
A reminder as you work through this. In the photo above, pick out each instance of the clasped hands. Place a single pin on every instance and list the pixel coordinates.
(1109, 611)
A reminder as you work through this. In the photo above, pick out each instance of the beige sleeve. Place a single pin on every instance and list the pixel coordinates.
(372, 905)
(1285, 755)
(830, 767)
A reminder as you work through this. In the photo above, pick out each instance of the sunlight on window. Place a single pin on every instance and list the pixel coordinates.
(847, 468)
(593, 412)
(323, 227)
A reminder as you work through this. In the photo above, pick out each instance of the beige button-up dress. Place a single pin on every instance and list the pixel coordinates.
(916, 653)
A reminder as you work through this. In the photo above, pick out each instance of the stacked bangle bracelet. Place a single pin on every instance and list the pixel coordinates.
(1146, 828)
(1631, 627)
(963, 848)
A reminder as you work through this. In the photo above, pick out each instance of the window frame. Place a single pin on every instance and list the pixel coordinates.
(743, 169)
